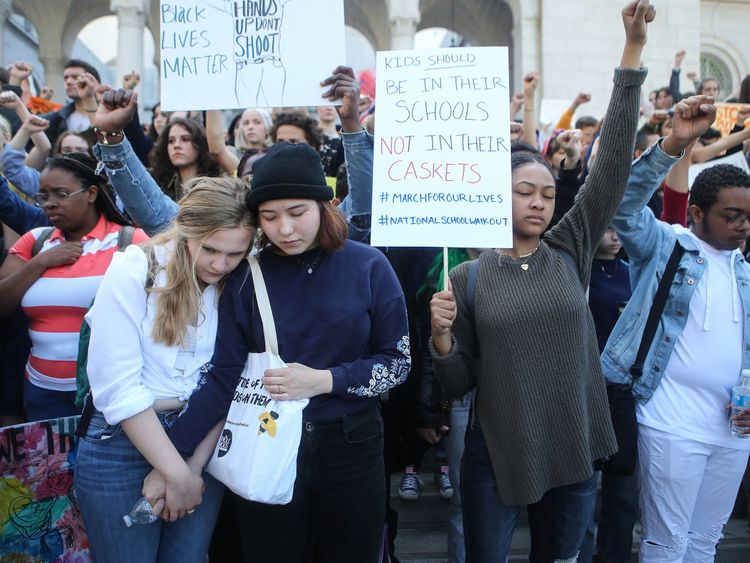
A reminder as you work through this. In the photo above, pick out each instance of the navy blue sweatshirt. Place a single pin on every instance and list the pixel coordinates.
(609, 292)
(348, 316)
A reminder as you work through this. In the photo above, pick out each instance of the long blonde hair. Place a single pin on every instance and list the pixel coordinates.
(210, 204)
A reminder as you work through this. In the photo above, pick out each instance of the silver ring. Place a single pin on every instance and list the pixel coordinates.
(278, 389)
(190, 511)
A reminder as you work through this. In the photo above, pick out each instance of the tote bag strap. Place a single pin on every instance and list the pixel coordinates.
(264, 305)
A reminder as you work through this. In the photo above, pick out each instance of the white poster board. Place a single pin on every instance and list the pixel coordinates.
(222, 54)
(735, 159)
(442, 149)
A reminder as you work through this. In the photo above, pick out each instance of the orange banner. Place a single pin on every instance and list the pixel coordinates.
(726, 117)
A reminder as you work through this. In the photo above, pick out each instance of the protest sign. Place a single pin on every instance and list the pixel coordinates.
(40, 519)
(442, 149)
(221, 54)
(735, 159)
(726, 117)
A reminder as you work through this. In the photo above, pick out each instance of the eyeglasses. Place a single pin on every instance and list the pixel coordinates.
(736, 221)
(42, 199)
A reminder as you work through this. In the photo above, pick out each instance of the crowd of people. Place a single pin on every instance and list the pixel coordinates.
(146, 235)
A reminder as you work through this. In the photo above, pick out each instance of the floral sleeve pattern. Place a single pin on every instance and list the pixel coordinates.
(384, 377)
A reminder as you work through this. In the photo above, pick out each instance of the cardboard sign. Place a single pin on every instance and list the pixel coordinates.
(442, 149)
(40, 519)
(726, 117)
(221, 54)
(735, 159)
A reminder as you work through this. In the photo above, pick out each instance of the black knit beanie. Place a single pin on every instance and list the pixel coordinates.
(288, 171)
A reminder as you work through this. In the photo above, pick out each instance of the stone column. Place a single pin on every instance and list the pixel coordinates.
(403, 16)
(53, 63)
(5, 12)
(402, 33)
(131, 20)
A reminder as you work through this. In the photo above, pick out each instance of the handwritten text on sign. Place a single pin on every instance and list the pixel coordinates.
(218, 54)
(727, 117)
(442, 149)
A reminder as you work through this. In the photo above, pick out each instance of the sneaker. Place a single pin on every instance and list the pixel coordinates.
(410, 482)
(443, 482)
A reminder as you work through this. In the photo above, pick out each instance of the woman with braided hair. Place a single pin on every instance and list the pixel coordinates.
(54, 272)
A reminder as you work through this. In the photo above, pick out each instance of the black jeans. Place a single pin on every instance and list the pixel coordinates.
(338, 509)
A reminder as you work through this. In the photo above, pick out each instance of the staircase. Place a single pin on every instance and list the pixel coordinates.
(423, 526)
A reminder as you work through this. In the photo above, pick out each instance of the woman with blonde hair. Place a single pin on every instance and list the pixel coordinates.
(162, 298)
(252, 137)
(253, 131)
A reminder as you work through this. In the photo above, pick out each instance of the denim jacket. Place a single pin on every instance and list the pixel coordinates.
(23, 177)
(649, 243)
(147, 205)
(16, 213)
(153, 210)
(357, 206)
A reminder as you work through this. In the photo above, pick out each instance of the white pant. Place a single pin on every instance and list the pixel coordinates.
(687, 491)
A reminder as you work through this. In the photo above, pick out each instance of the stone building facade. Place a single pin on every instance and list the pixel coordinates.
(574, 44)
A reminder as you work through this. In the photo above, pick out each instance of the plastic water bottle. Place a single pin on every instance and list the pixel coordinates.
(740, 400)
(142, 513)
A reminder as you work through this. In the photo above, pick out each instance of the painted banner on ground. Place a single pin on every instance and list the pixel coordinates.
(221, 54)
(442, 149)
(40, 519)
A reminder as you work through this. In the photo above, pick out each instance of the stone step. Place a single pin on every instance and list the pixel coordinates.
(427, 545)
(422, 530)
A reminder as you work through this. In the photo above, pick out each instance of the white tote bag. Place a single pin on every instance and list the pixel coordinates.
(256, 456)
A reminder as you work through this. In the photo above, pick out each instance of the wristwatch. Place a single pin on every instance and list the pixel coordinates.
(108, 138)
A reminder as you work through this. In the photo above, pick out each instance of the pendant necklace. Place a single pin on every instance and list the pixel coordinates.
(524, 258)
(310, 265)
(606, 273)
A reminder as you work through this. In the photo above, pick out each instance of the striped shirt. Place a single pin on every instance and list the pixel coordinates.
(56, 303)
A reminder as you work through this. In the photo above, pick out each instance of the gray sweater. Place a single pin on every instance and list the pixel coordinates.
(531, 349)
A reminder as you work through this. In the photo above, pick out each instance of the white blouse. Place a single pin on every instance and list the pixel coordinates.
(127, 370)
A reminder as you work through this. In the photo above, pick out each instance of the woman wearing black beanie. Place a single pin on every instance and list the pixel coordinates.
(341, 354)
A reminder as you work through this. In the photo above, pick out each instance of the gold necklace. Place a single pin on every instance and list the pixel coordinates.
(524, 258)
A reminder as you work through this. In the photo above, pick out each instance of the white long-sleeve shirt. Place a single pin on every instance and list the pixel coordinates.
(127, 370)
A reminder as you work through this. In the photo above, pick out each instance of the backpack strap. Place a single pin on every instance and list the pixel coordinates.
(657, 308)
(151, 271)
(83, 389)
(568, 259)
(125, 237)
(471, 290)
(39, 242)
(471, 285)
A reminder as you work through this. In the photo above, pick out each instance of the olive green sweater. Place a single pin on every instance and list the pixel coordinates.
(531, 347)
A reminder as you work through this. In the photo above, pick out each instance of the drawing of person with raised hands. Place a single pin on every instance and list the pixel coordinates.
(260, 76)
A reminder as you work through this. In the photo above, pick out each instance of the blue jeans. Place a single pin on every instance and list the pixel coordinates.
(560, 517)
(454, 447)
(337, 514)
(108, 480)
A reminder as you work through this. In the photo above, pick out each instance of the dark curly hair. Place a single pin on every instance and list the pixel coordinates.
(162, 168)
(706, 187)
(85, 169)
(313, 133)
